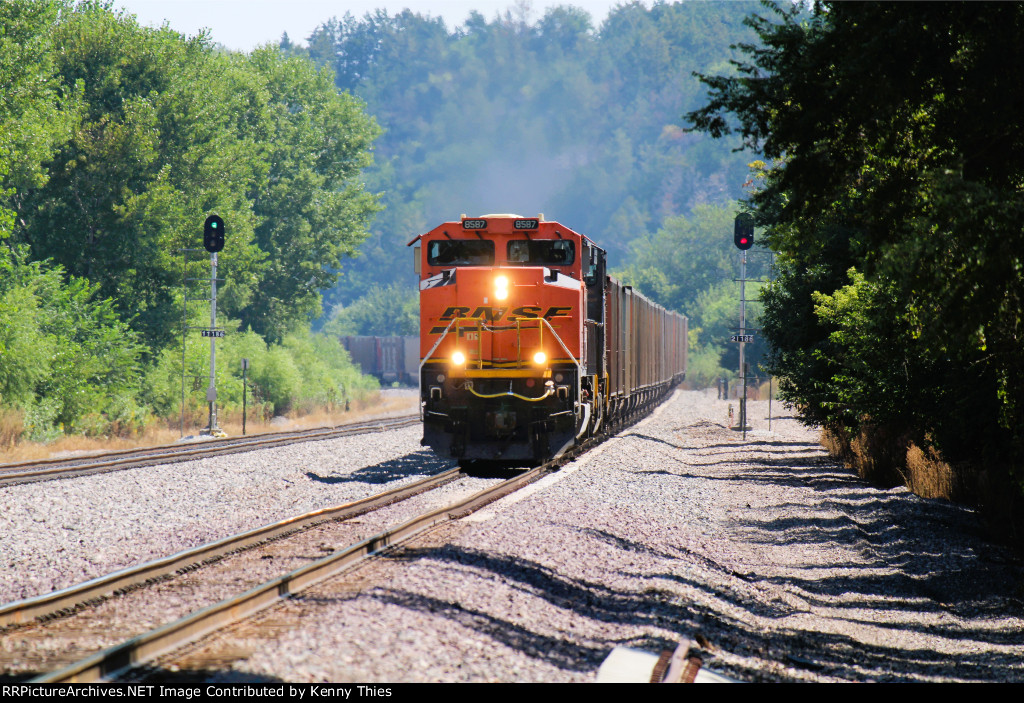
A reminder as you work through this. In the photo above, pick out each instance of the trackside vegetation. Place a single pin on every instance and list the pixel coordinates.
(893, 198)
(554, 114)
(116, 141)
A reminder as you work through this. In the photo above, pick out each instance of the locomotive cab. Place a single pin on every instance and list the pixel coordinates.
(511, 337)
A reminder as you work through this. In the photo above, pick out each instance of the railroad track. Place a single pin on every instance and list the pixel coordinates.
(48, 616)
(134, 653)
(118, 661)
(137, 650)
(28, 472)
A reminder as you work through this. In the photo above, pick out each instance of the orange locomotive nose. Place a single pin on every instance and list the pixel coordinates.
(504, 318)
(526, 344)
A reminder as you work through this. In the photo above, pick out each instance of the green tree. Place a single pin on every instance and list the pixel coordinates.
(36, 111)
(554, 116)
(65, 357)
(312, 206)
(382, 312)
(170, 130)
(157, 146)
(894, 133)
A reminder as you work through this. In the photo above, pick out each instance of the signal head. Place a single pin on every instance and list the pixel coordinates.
(213, 234)
(743, 231)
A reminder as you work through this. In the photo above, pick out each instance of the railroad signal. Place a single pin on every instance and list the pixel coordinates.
(213, 234)
(743, 231)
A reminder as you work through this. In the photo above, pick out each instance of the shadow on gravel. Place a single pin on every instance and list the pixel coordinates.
(827, 474)
(421, 463)
(558, 651)
(645, 608)
(878, 564)
(913, 565)
(627, 545)
(648, 438)
(184, 677)
(740, 445)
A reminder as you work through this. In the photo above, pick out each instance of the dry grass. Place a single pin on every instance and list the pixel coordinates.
(13, 450)
(928, 475)
(11, 427)
(889, 458)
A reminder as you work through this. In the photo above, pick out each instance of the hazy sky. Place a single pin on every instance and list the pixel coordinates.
(244, 24)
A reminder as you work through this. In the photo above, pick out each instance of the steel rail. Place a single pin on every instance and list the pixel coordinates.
(68, 600)
(171, 453)
(118, 660)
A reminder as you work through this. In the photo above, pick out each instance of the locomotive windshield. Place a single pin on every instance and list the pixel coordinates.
(541, 252)
(460, 252)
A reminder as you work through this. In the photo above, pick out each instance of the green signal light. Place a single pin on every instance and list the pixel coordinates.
(213, 233)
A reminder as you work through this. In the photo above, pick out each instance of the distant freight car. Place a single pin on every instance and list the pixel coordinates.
(527, 345)
(390, 359)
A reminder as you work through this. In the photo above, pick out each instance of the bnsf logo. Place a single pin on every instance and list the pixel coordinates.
(488, 314)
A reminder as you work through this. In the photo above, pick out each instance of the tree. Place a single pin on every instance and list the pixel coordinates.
(505, 115)
(170, 130)
(312, 207)
(382, 312)
(36, 114)
(898, 155)
(64, 354)
(156, 146)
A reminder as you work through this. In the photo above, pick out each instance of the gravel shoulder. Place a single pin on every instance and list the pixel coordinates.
(788, 567)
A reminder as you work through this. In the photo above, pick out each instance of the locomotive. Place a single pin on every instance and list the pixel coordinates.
(527, 346)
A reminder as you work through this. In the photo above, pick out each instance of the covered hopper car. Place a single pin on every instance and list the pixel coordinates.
(527, 345)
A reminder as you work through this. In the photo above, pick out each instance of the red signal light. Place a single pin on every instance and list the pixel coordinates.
(743, 233)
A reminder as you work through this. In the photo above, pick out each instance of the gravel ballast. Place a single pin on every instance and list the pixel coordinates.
(60, 533)
(786, 566)
(782, 563)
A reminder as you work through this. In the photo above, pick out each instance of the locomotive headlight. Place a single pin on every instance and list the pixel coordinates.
(539, 358)
(501, 287)
(458, 358)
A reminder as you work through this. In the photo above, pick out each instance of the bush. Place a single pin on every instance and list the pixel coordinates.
(304, 371)
(63, 353)
(382, 312)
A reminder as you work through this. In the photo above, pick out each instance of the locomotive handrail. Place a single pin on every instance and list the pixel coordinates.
(479, 325)
(547, 393)
(434, 348)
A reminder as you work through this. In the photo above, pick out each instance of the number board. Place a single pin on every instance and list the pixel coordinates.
(741, 338)
(213, 333)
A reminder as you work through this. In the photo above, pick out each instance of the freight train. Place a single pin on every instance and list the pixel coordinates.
(527, 345)
(389, 359)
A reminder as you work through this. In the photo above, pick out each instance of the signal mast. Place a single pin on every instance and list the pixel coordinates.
(743, 238)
